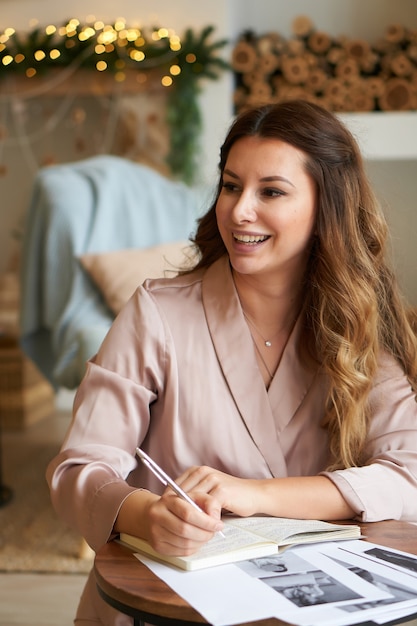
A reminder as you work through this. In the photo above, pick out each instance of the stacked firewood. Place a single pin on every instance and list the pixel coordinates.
(340, 73)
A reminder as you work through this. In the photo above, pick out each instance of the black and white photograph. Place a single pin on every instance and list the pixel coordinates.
(406, 561)
(296, 580)
(311, 588)
(285, 563)
(398, 592)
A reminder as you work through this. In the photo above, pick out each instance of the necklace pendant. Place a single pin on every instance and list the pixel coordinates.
(268, 343)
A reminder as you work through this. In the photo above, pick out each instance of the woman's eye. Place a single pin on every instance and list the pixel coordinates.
(228, 186)
(271, 192)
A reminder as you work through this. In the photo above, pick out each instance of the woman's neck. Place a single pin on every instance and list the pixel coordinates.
(271, 309)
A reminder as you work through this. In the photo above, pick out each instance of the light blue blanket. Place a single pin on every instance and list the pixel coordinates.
(99, 204)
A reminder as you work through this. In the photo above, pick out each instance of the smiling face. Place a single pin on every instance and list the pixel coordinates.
(266, 210)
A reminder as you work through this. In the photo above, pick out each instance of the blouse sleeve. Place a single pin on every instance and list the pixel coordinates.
(88, 479)
(386, 486)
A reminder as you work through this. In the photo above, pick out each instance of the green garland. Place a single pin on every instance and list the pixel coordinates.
(184, 116)
(120, 48)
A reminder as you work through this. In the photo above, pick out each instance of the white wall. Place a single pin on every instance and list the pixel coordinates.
(396, 182)
(355, 18)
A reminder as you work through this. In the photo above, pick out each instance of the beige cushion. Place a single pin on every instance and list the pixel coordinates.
(118, 273)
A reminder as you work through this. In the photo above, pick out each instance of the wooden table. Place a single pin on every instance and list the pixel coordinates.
(129, 586)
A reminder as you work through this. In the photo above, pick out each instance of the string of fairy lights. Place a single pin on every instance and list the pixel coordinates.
(113, 46)
(117, 49)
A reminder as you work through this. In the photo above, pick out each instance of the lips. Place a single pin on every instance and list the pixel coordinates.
(250, 239)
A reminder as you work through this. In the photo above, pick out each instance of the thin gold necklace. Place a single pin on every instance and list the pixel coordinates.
(267, 342)
(264, 363)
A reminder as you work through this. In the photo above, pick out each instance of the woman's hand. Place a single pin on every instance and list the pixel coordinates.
(170, 524)
(176, 527)
(240, 496)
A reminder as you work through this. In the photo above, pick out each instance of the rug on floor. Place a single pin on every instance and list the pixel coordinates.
(32, 537)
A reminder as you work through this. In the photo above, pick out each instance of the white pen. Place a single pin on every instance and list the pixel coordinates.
(167, 480)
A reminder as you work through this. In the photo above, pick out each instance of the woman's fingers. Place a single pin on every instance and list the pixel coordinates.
(200, 478)
(237, 495)
(177, 527)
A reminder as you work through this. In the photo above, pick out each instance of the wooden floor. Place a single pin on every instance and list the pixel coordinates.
(39, 599)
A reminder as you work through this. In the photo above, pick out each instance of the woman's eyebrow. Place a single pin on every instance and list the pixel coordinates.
(265, 179)
(270, 179)
(230, 173)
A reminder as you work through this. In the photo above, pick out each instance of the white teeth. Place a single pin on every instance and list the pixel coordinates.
(250, 238)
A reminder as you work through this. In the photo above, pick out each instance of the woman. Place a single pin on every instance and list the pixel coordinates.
(276, 377)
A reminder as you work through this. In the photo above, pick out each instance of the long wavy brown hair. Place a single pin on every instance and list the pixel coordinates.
(354, 308)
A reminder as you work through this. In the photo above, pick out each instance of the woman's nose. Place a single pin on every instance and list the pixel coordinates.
(244, 209)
